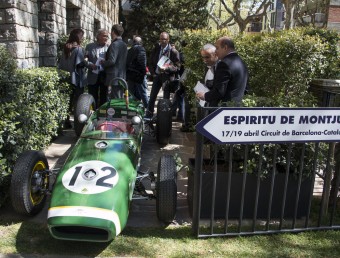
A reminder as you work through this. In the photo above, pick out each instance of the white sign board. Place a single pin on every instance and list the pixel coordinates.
(261, 125)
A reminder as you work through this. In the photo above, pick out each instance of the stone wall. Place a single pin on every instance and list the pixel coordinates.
(30, 29)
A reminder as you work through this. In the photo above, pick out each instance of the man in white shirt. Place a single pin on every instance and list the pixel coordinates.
(95, 52)
(210, 59)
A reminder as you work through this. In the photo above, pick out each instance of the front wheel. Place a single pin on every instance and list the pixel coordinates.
(166, 189)
(29, 183)
(164, 121)
(85, 105)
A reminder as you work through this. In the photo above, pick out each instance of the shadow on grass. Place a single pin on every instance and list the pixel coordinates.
(182, 232)
(35, 238)
(9, 216)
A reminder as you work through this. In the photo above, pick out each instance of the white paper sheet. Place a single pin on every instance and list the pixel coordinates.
(99, 67)
(200, 87)
(163, 62)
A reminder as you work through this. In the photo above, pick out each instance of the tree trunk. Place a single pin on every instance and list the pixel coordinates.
(289, 21)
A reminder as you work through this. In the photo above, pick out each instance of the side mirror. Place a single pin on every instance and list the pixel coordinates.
(82, 118)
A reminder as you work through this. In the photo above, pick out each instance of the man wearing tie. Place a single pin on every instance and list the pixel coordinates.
(162, 74)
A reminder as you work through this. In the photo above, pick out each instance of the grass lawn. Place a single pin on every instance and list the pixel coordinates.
(173, 241)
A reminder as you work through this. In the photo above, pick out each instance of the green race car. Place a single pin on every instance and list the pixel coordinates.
(91, 195)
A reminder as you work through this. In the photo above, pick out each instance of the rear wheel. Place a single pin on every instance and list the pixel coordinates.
(29, 183)
(85, 105)
(166, 189)
(164, 121)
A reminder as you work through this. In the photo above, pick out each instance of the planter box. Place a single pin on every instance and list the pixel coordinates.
(250, 194)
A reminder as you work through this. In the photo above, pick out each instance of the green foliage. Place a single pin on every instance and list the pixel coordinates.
(281, 160)
(60, 45)
(38, 106)
(7, 68)
(45, 100)
(281, 64)
(150, 18)
(33, 106)
(331, 50)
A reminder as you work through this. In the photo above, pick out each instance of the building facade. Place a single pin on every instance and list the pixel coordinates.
(315, 13)
(30, 29)
(334, 15)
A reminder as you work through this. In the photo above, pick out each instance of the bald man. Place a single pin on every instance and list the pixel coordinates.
(136, 70)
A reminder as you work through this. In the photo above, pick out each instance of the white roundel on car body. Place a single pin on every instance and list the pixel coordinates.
(90, 177)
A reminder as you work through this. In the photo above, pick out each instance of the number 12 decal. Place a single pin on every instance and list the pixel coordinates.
(90, 177)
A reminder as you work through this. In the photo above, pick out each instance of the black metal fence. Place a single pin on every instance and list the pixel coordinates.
(251, 189)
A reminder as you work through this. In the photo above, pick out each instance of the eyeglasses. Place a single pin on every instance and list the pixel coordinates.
(205, 57)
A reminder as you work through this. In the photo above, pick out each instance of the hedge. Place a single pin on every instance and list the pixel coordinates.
(281, 64)
(33, 106)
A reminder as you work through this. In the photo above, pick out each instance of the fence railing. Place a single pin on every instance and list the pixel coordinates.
(249, 189)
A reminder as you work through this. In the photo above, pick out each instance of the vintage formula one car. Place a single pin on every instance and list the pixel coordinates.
(92, 192)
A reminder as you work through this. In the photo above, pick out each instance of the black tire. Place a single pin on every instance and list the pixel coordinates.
(85, 105)
(27, 194)
(166, 189)
(163, 121)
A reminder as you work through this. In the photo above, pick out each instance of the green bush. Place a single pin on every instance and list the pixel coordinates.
(33, 105)
(38, 106)
(331, 50)
(7, 69)
(282, 150)
(281, 64)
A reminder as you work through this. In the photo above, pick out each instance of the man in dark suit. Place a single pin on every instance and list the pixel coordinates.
(162, 74)
(136, 70)
(115, 60)
(230, 78)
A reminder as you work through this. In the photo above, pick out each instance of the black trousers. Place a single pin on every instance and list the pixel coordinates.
(99, 90)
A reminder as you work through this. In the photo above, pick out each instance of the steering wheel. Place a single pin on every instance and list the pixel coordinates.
(124, 85)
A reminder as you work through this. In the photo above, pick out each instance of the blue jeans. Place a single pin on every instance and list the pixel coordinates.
(139, 90)
(178, 103)
(143, 93)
